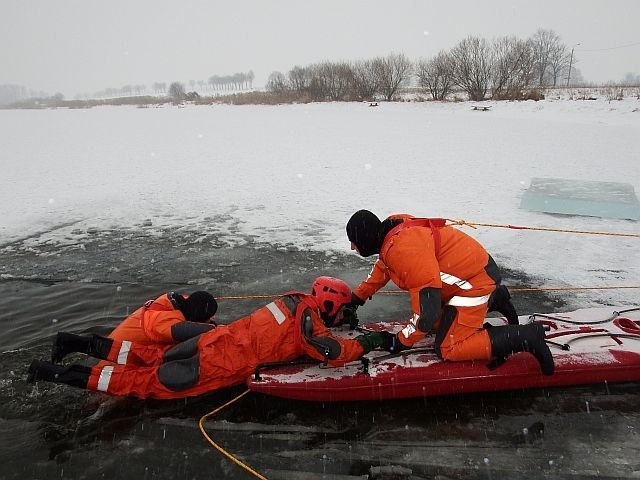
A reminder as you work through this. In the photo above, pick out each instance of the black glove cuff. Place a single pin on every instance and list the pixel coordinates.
(356, 301)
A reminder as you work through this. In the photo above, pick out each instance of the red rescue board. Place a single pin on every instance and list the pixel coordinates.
(589, 346)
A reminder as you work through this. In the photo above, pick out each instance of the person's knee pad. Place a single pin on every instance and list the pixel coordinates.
(180, 374)
(449, 314)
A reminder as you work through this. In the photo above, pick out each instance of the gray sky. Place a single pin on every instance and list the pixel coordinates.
(75, 46)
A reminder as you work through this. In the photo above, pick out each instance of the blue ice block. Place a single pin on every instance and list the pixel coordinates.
(574, 197)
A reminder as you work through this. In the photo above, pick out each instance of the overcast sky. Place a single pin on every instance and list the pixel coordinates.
(76, 46)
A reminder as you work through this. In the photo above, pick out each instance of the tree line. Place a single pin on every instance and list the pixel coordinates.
(504, 68)
(234, 82)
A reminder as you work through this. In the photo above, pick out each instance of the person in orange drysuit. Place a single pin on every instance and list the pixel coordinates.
(292, 326)
(169, 319)
(450, 278)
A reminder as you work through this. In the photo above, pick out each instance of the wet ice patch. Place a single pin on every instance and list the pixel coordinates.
(585, 198)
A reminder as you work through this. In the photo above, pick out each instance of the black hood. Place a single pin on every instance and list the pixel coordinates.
(199, 307)
(364, 230)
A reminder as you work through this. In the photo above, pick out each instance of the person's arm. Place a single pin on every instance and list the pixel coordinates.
(321, 344)
(421, 276)
(171, 326)
(377, 279)
(182, 331)
(420, 323)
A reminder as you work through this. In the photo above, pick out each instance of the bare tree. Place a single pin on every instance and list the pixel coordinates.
(277, 83)
(237, 79)
(393, 72)
(158, 87)
(10, 93)
(436, 75)
(365, 81)
(472, 60)
(545, 43)
(176, 91)
(576, 77)
(300, 79)
(127, 90)
(559, 58)
(335, 78)
(318, 89)
(631, 79)
(513, 67)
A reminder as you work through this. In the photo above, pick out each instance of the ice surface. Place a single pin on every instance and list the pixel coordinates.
(587, 198)
(292, 175)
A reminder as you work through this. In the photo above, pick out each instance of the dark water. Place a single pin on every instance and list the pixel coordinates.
(50, 431)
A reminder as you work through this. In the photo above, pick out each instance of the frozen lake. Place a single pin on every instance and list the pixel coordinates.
(105, 208)
(292, 175)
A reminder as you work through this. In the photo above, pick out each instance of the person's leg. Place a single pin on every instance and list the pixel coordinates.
(500, 302)
(186, 370)
(177, 378)
(74, 375)
(122, 352)
(174, 379)
(461, 336)
(522, 338)
(459, 339)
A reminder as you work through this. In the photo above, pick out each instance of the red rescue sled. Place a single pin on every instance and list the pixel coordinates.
(596, 345)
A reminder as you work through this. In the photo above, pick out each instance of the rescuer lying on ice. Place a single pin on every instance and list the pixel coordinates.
(451, 279)
(169, 319)
(292, 326)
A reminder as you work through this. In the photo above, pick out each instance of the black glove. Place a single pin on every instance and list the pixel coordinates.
(350, 317)
(391, 343)
(356, 301)
(370, 341)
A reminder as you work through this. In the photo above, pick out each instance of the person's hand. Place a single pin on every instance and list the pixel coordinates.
(370, 341)
(386, 340)
(350, 317)
(390, 343)
(356, 301)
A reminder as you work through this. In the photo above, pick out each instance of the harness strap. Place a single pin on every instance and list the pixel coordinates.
(435, 224)
(295, 303)
(158, 307)
(152, 305)
(291, 301)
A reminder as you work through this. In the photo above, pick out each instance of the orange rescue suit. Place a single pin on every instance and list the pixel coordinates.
(288, 328)
(416, 255)
(151, 323)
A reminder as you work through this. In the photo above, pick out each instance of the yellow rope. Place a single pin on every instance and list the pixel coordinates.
(218, 447)
(397, 292)
(522, 289)
(532, 289)
(475, 225)
(543, 229)
(244, 297)
(394, 292)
